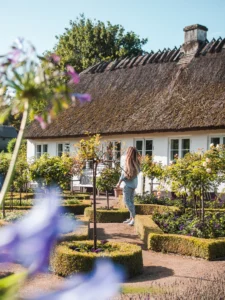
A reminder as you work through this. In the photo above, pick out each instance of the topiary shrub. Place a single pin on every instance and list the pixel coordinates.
(77, 209)
(107, 216)
(144, 225)
(149, 209)
(66, 261)
(209, 249)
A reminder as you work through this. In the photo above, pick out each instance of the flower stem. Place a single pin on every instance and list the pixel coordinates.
(9, 175)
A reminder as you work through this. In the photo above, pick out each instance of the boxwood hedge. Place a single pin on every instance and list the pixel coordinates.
(77, 209)
(205, 248)
(107, 215)
(149, 209)
(145, 225)
(66, 261)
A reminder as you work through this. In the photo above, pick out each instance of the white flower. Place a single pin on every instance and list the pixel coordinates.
(211, 145)
(208, 160)
(208, 170)
(204, 164)
(217, 146)
(37, 80)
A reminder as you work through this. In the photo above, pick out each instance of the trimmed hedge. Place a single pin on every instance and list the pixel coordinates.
(82, 233)
(65, 261)
(145, 225)
(77, 209)
(149, 209)
(107, 215)
(209, 249)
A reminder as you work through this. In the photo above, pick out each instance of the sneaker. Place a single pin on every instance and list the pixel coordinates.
(131, 223)
(127, 221)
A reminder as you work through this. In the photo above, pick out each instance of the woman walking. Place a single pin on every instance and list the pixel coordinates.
(129, 177)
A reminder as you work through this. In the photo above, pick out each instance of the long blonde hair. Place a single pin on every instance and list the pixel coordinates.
(132, 163)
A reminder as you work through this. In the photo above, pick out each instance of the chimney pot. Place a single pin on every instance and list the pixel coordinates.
(195, 33)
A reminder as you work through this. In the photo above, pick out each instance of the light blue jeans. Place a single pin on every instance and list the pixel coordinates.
(128, 196)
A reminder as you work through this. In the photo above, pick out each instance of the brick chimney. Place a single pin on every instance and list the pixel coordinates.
(194, 37)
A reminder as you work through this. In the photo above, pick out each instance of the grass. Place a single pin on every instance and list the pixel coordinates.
(140, 290)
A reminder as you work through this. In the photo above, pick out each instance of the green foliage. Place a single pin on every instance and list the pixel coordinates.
(152, 199)
(108, 179)
(107, 216)
(89, 149)
(87, 42)
(150, 168)
(66, 261)
(77, 209)
(52, 170)
(185, 245)
(9, 286)
(4, 165)
(11, 146)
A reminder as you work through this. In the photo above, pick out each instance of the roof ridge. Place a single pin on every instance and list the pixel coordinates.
(161, 56)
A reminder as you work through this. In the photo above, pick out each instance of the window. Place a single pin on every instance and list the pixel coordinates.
(40, 149)
(113, 152)
(180, 147)
(63, 148)
(217, 140)
(145, 147)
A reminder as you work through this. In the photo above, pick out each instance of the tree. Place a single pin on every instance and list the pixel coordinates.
(108, 180)
(87, 42)
(151, 169)
(53, 170)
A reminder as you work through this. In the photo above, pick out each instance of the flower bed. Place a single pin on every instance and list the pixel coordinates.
(66, 260)
(107, 215)
(209, 249)
(188, 224)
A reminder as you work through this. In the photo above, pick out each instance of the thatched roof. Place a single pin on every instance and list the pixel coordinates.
(157, 92)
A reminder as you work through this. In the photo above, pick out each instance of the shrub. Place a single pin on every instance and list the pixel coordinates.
(77, 209)
(107, 216)
(149, 209)
(205, 248)
(66, 261)
(145, 225)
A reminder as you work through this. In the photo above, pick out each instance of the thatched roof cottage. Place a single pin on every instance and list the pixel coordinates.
(168, 102)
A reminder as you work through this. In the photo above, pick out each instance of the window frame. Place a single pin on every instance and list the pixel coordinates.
(219, 136)
(143, 151)
(180, 150)
(64, 150)
(38, 154)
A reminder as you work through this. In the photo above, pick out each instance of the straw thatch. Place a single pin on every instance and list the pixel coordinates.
(156, 92)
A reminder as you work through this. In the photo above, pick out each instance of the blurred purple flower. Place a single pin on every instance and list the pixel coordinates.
(181, 227)
(13, 57)
(43, 124)
(75, 78)
(101, 284)
(83, 98)
(103, 242)
(30, 240)
(54, 58)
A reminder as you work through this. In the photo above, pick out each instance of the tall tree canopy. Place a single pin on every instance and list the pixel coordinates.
(87, 42)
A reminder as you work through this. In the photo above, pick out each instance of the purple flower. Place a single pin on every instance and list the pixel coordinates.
(81, 97)
(101, 284)
(43, 124)
(103, 242)
(30, 240)
(13, 57)
(75, 78)
(181, 227)
(54, 58)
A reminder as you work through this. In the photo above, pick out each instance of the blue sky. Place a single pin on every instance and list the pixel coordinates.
(161, 21)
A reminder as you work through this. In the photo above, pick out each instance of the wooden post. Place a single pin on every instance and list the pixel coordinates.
(94, 204)
(107, 197)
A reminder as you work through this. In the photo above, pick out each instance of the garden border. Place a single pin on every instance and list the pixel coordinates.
(65, 261)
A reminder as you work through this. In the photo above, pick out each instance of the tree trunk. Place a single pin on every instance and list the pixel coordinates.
(107, 197)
